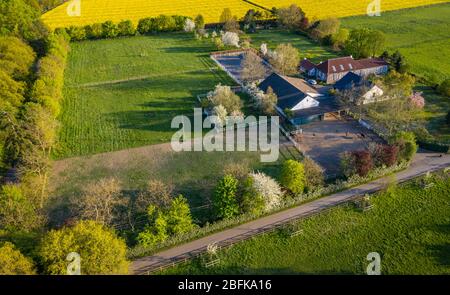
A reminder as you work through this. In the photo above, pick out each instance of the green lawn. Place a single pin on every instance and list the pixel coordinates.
(409, 226)
(421, 34)
(124, 92)
(308, 48)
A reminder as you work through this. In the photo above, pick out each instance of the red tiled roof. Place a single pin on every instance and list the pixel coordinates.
(307, 65)
(348, 64)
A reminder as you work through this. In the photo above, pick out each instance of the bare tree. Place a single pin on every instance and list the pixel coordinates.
(253, 68)
(100, 201)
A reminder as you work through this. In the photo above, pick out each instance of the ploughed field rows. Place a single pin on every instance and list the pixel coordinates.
(320, 9)
(96, 11)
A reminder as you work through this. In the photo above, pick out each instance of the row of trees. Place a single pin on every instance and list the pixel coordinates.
(243, 192)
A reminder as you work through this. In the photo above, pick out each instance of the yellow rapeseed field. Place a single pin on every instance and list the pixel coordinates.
(320, 9)
(94, 11)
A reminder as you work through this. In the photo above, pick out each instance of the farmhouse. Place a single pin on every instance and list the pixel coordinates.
(352, 81)
(304, 103)
(335, 69)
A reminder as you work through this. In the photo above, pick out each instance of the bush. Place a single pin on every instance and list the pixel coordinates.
(110, 30)
(17, 212)
(101, 251)
(126, 28)
(251, 201)
(293, 176)
(314, 174)
(363, 162)
(12, 262)
(225, 201)
(165, 222)
(94, 31)
(384, 155)
(76, 33)
(406, 142)
(444, 88)
(268, 189)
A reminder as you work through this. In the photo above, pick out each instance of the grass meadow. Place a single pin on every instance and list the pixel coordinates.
(409, 227)
(124, 92)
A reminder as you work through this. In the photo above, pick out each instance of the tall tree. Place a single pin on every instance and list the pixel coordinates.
(253, 68)
(285, 59)
(290, 17)
(225, 198)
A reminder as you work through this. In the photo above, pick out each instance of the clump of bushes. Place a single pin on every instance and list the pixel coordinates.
(401, 148)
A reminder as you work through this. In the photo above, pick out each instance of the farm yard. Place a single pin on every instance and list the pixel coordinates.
(408, 226)
(124, 93)
(94, 11)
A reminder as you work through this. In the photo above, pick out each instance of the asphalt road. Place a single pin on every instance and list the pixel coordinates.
(422, 163)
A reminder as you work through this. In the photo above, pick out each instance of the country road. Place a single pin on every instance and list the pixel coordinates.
(422, 163)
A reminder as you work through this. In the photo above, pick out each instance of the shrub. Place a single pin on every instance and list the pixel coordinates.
(225, 201)
(76, 33)
(293, 176)
(199, 22)
(384, 155)
(268, 189)
(101, 251)
(230, 39)
(314, 174)
(363, 162)
(12, 262)
(251, 201)
(406, 142)
(146, 25)
(17, 212)
(164, 23)
(189, 26)
(126, 28)
(94, 31)
(444, 88)
(110, 29)
(223, 95)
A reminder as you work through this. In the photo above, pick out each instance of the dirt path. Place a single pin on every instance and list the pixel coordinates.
(422, 163)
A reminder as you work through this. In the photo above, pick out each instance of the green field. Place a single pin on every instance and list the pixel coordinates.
(124, 93)
(409, 226)
(308, 48)
(421, 34)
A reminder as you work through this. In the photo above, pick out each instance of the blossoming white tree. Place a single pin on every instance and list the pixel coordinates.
(221, 113)
(230, 39)
(264, 49)
(268, 188)
(189, 25)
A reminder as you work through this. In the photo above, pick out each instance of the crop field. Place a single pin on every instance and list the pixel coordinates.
(321, 9)
(124, 93)
(409, 227)
(94, 11)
